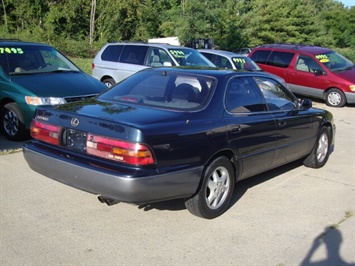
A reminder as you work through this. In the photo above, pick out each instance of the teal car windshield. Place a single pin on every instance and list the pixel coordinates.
(24, 60)
(334, 61)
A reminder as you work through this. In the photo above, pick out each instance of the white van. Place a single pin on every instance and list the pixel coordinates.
(117, 61)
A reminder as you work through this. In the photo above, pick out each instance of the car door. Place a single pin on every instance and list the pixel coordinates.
(309, 78)
(251, 130)
(293, 124)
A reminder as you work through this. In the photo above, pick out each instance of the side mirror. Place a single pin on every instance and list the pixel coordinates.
(319, 72)
(306, 103)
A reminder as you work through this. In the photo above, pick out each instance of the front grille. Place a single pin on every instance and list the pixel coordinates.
(78, 98)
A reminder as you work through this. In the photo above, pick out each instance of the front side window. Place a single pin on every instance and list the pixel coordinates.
(307, 64)
(277, 96)
(163, 89)
(158, 57)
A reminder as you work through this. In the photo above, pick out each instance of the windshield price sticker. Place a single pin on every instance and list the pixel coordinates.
(177, 53)
(10, 50)
(239, 60)
(322, 58)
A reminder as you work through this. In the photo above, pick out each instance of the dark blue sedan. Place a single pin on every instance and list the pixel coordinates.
(167, 133)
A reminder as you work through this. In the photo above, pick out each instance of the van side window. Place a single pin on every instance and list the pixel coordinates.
(280, 59)
(112, 53)
(307, 64)
(260, 56)
(277, 96)
(243, 96)
(157, 57)
(134, 54)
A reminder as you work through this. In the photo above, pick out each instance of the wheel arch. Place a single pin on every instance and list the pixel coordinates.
(232, 157)
(334, 88)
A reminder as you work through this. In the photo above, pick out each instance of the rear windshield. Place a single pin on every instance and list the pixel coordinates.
(163, 89)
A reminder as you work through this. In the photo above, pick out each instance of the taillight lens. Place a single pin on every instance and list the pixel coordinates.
(45, 132)
(117, 150)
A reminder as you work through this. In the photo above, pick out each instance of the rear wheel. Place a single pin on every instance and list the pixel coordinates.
(320, 153)
(109, 82)
(216, 190)
(12, 124)
(335, 98)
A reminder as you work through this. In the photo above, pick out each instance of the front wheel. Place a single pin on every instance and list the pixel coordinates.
(335, 98)
(320, 152)
(215, 192)
(12, 124)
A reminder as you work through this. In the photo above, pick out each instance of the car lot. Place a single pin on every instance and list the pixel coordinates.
(292, 215)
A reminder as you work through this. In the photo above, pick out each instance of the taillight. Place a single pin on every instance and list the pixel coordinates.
(92, 65)
(117, 150)
(45, 132)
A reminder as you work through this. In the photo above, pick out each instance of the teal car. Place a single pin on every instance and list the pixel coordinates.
(32, 75)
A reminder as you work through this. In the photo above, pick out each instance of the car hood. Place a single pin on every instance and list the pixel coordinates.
(59, 84)
(347, 74)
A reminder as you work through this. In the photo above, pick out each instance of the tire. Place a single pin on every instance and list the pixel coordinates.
(335, 98)
(215, 192)
(109, 82)
(12, 124)
(320, 152)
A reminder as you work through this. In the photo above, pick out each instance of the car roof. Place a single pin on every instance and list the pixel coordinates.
(163, 45)
(19, 42)
(211, 71)
(221, 52)
(311, 49)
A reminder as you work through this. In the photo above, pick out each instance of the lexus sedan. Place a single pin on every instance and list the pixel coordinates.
(167, 133)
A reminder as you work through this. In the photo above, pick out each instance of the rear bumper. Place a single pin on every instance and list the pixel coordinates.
(158, 187)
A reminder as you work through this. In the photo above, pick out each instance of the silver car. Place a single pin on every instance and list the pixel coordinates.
(229, 60)
(117, 61)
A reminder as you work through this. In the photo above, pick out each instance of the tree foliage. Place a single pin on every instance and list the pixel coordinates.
(74, 27)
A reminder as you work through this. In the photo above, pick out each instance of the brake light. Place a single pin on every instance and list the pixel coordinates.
(117, 150)
(45, 132)
(92, 65)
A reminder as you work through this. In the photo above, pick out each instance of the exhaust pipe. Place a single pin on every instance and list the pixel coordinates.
(108, 201)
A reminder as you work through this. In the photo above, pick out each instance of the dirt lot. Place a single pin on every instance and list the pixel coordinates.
(292, 215)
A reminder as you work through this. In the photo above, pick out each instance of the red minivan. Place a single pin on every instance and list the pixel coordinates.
(311, 71)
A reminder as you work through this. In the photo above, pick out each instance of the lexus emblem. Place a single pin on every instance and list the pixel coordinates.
(74, 122)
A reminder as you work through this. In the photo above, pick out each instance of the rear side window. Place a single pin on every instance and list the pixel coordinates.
(260, 56)
(134, 54)
(244, 96)
(112, 53)
(280, 59)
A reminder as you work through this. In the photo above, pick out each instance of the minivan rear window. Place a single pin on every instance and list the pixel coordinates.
(260, 56)
(280, 59)
(112, 53)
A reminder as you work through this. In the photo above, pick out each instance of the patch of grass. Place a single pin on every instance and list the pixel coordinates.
(83, 63)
